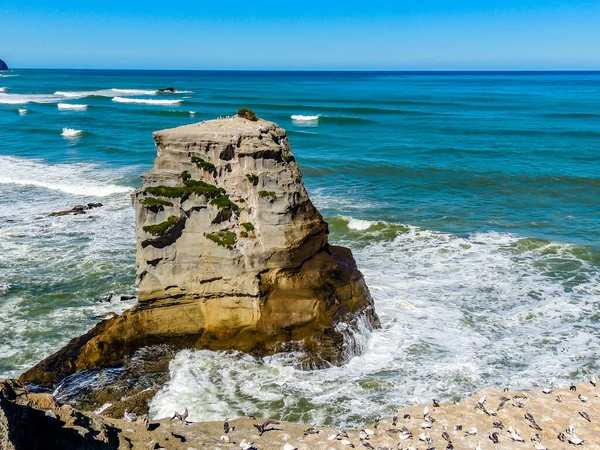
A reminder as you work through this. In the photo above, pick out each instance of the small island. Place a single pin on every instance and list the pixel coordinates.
(3, 66)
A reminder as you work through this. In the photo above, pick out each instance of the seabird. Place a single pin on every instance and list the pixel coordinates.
(561, 437)
(426, 411)
(482, 400)
(347, 443)
(394, 421)
(494, 437)
(446, 436)
(539, 446)
(514, 435)
(289, 447)
(245, 445)
(593, 380)
(576, 441)
(518, 404)
(251, 416)
(449, 446)
(369, 446)
(377, 420)
(570, 430)
(426, 424)
(458, 427)
(536, 438)
(262, 427)
(498, 424)
(585, 415)
(501, 405)
(311, 430)
(181, 417)
(362, 435)
(225, 438)
(435, 403)
(405, 435)
(130, 416)
(559, 398)
(583, 398)
(407, 416)
(471, 432)
(573, 388)
(532, 422)
(547, 391)
(226, 427)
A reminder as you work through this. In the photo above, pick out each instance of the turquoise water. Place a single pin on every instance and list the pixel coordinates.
(471, 202)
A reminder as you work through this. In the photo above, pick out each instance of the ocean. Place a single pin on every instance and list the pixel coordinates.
(471, 202)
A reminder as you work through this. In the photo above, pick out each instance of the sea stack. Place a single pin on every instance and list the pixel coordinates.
(231, 255)
(3, 66)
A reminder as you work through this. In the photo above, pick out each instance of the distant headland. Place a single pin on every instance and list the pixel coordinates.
(3, 65)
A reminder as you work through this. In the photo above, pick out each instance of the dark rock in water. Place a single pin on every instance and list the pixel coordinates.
(127, 297)
(107, 298)
(78, 209)
(3, 65)
(169, 89)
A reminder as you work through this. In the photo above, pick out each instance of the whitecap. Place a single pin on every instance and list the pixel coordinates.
(3, 89)
(71, 107)
(71, 133)
(192, 113)
(73, 179)
(359, 224)
(301, 118)
(134, 91)
(22, 112)
(141, 101)
(21, 99)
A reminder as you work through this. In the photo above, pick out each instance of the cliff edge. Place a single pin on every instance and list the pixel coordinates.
(231, 255)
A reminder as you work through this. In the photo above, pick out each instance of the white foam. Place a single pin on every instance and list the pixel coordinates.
(459, 312)
(104, 93)
(71, 107)
(192, 113)
(72, 179)
(301, 118)
(3, 89)
(22, 112)
(134, 91)
(21, 99)
(142, 101)
(70, 133)
(359, 224)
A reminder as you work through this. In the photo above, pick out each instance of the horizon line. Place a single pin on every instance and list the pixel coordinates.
(324, 70)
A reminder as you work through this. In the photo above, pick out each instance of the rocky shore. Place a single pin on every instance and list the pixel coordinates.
(492, 419)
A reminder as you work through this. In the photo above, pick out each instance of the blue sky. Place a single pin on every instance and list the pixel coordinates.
(309, 34)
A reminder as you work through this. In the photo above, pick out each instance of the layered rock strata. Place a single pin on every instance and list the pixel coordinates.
(231, 255)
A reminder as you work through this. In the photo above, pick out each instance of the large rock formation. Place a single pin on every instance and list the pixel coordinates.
(231, 255)
(3, 65)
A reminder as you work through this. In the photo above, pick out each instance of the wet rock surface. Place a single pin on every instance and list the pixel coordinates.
(78, 209)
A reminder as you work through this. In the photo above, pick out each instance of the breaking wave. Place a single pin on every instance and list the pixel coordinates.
(73, 179)
(70, 107)
(146, 101)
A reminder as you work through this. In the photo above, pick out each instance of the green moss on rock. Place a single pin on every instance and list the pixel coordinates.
(185, 175)
(201, 188)
(166, 191)
(267, 194)
(225, 239)
(202, 164)
(248, 226)
(252, 178)
(244, 234)
(224, 202)
(163, 228)
(247, 114)
(151, 201)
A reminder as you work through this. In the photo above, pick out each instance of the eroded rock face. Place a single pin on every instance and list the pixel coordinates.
(231, 255)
